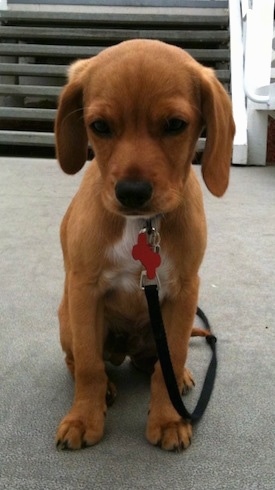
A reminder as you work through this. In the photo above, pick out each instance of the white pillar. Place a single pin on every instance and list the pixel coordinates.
(3, 5)
(258, 54)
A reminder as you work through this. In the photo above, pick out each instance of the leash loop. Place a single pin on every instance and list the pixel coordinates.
(151, 293)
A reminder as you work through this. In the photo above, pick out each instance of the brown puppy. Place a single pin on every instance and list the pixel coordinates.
(142, 106)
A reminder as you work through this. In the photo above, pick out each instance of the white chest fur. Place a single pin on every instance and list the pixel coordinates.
(125, 271)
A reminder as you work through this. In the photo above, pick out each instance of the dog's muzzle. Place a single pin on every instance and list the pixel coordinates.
(133, 194)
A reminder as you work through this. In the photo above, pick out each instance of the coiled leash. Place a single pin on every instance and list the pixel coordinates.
(147, 251)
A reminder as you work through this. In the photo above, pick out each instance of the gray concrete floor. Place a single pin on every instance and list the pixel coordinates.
(233, 446)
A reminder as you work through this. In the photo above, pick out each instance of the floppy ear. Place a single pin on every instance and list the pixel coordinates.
(220, 130)
(70, 132)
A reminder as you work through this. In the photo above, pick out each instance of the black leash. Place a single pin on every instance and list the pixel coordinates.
(151, 292)
(147, 252)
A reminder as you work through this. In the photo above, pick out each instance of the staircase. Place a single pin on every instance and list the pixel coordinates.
(36, 48)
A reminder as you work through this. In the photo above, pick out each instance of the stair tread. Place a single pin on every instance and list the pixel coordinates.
(25, 113)
(203, 32)
(26, 138)
(215, 16)
(113, 34)
(86, 51)
(46, 50)
(33, 69)
(35, 90)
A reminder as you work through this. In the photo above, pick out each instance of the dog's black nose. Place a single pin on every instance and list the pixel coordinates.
(133, 194)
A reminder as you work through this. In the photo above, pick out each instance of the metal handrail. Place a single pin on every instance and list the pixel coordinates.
(258, 49)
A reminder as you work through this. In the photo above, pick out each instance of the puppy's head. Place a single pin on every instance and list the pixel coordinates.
(142, 106)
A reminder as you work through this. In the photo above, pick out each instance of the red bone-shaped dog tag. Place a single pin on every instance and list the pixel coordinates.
(144, 252)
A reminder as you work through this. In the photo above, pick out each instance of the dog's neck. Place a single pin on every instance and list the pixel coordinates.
(148, 223)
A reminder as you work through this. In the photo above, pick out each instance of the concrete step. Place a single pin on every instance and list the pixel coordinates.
(196, 16)
(43, 51)
(37, 46)
(32, 90)
(114, 35)
(28, 138)
(23, 69)
(27, 114)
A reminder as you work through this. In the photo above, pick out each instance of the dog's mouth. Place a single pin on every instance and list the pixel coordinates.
(136, 213)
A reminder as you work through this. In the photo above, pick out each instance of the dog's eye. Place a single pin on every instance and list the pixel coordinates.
(174, 125)
(101, 128)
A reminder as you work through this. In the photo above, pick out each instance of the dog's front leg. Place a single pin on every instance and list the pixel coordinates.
(165, 427)
(84, 424)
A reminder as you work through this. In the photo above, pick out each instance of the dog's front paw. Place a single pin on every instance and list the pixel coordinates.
(171, 436)
(77, 431)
